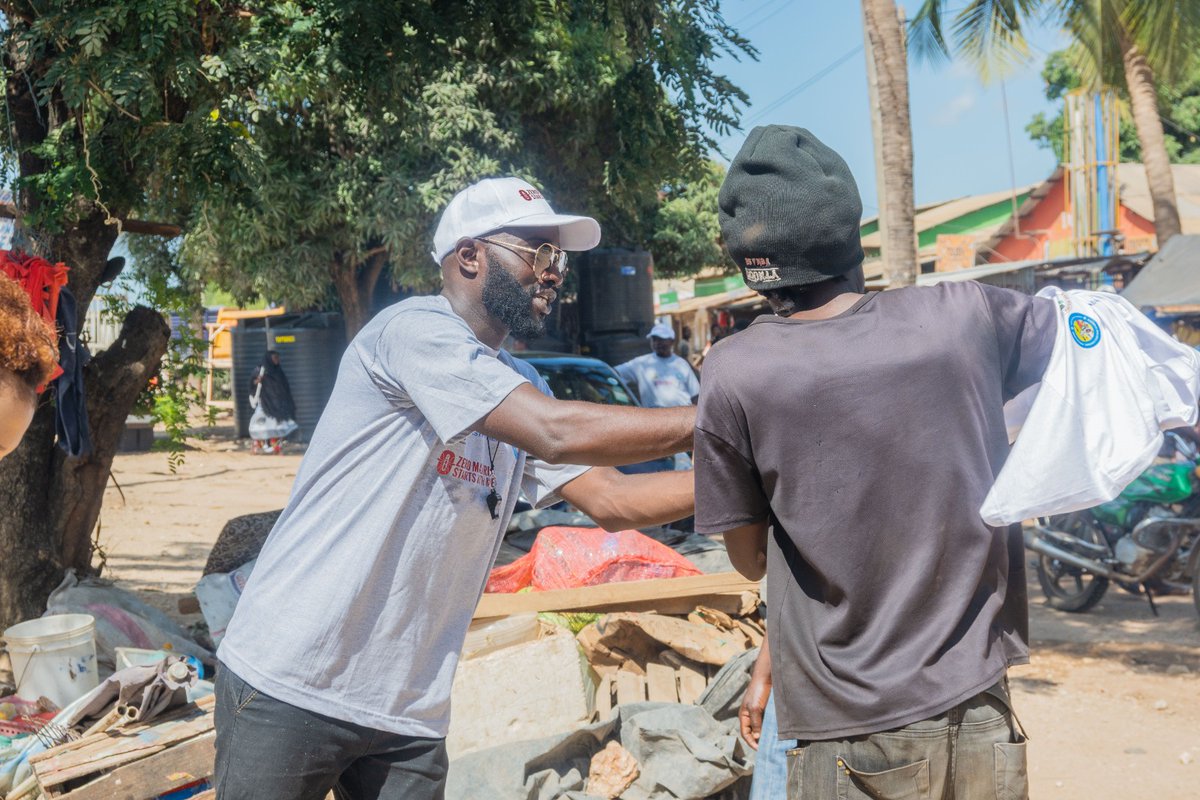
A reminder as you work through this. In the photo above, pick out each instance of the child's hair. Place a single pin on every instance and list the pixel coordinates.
(28, 346)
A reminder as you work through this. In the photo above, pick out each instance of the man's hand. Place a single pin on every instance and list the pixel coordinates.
(758, 694)
(618, 501)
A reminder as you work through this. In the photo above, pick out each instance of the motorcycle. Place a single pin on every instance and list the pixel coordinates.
(1146, 540)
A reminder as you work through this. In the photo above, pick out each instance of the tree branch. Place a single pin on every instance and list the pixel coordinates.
(166, 229)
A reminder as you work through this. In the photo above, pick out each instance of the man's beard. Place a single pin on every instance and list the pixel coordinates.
(507, 301)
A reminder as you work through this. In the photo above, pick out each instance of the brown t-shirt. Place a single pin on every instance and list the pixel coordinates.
(869, 441)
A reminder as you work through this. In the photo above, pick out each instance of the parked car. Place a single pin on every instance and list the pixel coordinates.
(574, 377)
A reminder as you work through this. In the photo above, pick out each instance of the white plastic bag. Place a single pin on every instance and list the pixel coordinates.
(218, 593)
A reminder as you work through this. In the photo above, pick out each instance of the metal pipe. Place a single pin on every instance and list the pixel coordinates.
(1039, 545)
(1045, 548)
(1067, 540)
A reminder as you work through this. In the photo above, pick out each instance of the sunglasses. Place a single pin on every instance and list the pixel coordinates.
(546, 257)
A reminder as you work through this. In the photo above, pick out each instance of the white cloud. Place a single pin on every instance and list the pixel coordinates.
(953, 111)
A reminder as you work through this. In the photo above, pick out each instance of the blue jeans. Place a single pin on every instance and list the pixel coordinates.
(770, 765)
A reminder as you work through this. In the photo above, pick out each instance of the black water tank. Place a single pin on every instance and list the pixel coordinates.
(616, 349)
(310, 347)
(616, 291)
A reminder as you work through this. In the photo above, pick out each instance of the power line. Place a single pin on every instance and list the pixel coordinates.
(805, 84)
(754, 13)
(768, 17)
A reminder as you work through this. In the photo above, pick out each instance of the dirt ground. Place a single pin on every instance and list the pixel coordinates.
(1111, 699)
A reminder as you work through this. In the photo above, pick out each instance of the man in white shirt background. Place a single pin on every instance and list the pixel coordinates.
(661, 378)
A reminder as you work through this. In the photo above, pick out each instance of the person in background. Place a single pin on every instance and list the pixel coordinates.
(661, 378)
(685, 344)
(274, 417)
(28, 355)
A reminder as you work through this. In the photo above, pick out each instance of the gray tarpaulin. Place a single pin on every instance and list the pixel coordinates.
(1171, 278)
(683, 751)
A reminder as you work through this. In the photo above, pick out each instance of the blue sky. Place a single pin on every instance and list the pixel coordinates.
(959, 144)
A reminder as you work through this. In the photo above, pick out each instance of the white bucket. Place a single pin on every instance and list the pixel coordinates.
(54, 657)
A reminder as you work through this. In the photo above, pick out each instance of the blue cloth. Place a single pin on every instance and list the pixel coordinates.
(770, 765)
(71, 419)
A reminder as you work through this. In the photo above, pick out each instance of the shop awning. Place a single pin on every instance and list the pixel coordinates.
(1171, 278)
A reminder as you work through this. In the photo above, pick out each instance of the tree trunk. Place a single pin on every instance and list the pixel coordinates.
(52, 501)
(1143, 98)
(355, 284)
(886, 39)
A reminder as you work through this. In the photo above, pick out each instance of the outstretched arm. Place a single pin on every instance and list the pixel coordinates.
(575, 432)
(618, 501)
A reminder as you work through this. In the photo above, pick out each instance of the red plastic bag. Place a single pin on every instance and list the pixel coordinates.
(565, 558)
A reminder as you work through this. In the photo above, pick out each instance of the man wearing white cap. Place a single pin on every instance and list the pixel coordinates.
(661, 378)
(337, 665)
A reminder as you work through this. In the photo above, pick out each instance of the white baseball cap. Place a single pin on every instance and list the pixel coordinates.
(661, 330)
(495, 203)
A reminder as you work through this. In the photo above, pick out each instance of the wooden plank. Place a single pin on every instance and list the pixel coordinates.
(111, 749)
(660, 684)
(631, 688)
(203, 706)
(606, 596)
(162, 772)
(691, 683)
(604, 696)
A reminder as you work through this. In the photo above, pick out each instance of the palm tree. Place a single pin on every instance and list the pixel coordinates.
(1130, 41)
(889, 64)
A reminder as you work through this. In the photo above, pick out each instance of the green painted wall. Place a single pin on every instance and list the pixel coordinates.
(985, 217)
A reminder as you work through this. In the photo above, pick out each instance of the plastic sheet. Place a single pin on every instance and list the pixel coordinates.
(566, 558)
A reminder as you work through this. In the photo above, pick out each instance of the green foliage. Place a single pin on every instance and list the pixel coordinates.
(124, 94)
(686, 232)
(991, 34)
(370, 116)
(176, 390)
(1180, 110)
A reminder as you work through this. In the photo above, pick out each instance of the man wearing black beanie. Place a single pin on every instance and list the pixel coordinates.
(845, 445)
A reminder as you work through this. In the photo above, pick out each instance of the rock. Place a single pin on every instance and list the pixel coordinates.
(613, 770)
(1185, 758)
(1178, 669)
(1160, 705)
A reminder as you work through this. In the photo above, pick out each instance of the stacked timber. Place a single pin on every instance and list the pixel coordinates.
(173, 752)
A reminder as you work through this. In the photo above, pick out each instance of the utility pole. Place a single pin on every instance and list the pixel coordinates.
(876, 139)
(887, 67)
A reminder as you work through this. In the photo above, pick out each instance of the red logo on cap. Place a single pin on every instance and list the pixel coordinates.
(530, 194)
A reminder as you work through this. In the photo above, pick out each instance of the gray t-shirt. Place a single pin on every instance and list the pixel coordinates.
(359, 603)
(869, 441)
(661, 382)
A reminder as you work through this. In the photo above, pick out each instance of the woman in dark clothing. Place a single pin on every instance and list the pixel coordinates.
(274, 409)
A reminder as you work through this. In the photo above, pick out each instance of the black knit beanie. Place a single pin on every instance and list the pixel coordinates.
(790, 210)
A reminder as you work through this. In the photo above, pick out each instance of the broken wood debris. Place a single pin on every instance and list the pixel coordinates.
(140, 760)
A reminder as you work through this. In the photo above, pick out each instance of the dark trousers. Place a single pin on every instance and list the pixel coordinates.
(971, 752)
(268, 749)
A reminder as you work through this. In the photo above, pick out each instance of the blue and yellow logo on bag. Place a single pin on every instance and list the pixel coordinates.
(1084, 330)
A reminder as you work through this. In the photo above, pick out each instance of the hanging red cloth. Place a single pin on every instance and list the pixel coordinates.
(41, 280)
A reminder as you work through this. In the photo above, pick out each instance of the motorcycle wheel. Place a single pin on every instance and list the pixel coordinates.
(1196, 584)
(1069, 588)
